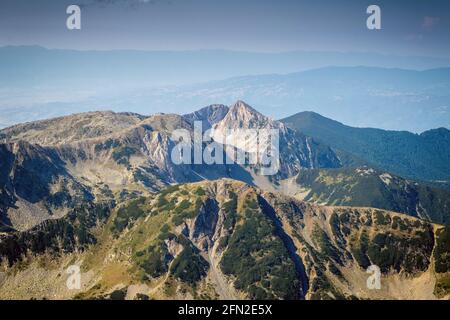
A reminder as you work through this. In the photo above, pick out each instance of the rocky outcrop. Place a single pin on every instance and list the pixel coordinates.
(296, 151)
(35, 185)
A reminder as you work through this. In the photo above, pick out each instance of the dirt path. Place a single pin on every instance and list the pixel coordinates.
(225, 291)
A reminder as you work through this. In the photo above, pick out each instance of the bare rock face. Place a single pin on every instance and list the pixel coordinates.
(174, 249)
(137, 149)
(209, 115)
(35, 186)
(296, 150)
(241, 115)
(49, 166)
(204, 226)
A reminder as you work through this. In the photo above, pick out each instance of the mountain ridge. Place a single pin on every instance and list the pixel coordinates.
(368, 187)
(124, 155)
(409, 99)
(314, 116)
(401, 152)
(145, 228)
(153, 248)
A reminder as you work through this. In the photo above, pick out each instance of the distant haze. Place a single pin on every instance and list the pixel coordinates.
(175, 56)
(37, 83)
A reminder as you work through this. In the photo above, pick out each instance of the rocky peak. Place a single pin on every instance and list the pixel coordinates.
(241, 115)
(209, 115)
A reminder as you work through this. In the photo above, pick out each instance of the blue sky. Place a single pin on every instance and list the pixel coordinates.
(36, 83)
(414, 27)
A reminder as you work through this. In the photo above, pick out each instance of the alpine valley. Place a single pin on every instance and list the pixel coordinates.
(99, 190)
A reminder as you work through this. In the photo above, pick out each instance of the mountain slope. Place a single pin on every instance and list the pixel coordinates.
(35, 186)
(423, 157)
(105, 156)
(85, 157)
(114, 156)
(367, 187)
(224, 239)
(74, 128)
(296, 151)
(139, 143)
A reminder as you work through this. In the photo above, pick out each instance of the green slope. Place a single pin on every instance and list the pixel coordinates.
(423, 156)
(367, 187)
(224, 239)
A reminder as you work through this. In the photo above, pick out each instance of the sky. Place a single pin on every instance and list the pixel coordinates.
(38, 83)
(409, 27)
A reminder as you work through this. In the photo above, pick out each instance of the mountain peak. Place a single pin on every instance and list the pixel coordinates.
(442, 133)
(241, 115)
(242, 107)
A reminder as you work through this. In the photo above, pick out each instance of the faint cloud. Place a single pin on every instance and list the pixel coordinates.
(414, 37)
(131, 3)
(429, 23)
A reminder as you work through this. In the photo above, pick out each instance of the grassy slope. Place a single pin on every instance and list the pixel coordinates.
(424, 157)
(365, 187)
(207, 240)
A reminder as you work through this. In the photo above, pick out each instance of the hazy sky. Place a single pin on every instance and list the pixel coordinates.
(410, 27)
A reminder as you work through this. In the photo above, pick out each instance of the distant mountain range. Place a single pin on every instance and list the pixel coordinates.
(42, 83)
(392, 99)
(99, 189)
(37, 66)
